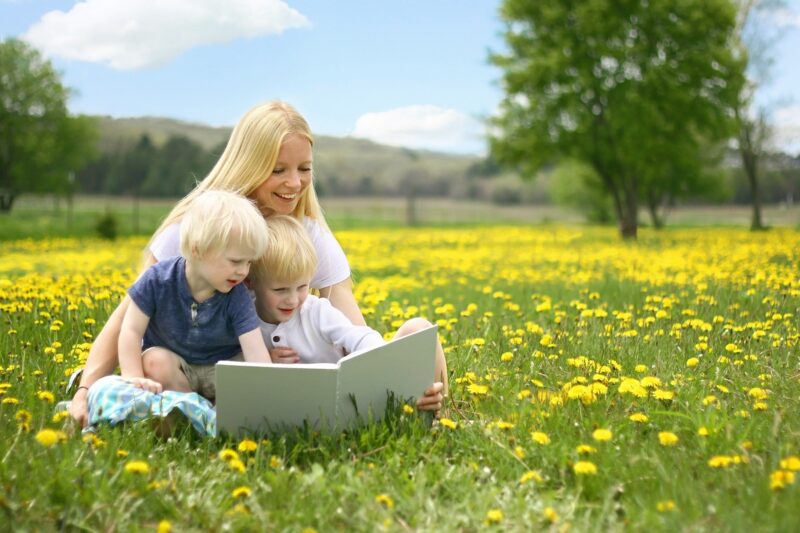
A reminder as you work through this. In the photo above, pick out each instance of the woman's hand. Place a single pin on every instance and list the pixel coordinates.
(283, 355)
(146, 384)
(432, 399)
(79, 407)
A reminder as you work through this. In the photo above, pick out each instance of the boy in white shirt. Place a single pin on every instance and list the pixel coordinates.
(304, 326)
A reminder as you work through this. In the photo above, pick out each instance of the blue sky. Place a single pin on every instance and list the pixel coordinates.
(412, 73)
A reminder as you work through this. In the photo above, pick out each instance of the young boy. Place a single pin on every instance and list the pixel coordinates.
(189, 312)
(305, 326)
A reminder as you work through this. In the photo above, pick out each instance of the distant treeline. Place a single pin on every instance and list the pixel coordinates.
(171, 168)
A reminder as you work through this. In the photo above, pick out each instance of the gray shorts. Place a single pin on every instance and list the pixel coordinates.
(201, 377)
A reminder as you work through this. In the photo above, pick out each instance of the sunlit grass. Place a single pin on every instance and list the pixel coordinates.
(595, 383)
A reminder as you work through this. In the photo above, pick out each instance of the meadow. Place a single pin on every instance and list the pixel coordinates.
(596, 385)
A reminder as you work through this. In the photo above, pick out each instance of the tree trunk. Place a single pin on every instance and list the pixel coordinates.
(7, 201)
(629, 222)
(652, 208)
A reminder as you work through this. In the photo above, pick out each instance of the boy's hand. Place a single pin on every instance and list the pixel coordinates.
(432, 399)
(146, 384)
(285, 356)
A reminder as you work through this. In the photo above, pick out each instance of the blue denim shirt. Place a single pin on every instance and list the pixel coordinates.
(201, 333)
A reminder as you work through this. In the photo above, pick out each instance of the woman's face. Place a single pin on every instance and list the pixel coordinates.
(281, 191)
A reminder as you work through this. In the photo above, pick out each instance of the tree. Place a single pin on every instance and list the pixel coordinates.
(40, 144)
(754, 131)
(626, 87)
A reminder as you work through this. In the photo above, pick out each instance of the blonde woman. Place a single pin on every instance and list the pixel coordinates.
(269, 160)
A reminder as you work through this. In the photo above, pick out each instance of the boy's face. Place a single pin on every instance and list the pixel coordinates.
(278, 301)
(224, 269)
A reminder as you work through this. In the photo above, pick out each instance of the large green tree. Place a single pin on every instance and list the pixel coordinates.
(631, 87)
(41, 145)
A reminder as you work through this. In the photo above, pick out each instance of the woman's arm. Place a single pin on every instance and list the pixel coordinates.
(341, 297)
(102, 358)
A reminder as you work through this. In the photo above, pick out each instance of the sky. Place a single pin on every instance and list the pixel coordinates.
(411, 73)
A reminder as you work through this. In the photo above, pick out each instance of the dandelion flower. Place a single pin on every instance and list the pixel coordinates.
(137, 467)
(585, 449)
(275, 462)
(540, 438)
(664, 506)
(703, 431)
(241, 492)
(720, 461)
(446, 422)
(602, 435)
(385, 500)
(780, 479)
(550, 515)
(228, 455)
(530, 475)
(50, 437)
(692, 362)
(122, 453)
(247, 445)
(407, 409)
(791, 463)
(477, 389)
(164, 527)
(494, 516)
(667, 438)
(238, 465)
(584, 468)
(46, 396)
(640, 418)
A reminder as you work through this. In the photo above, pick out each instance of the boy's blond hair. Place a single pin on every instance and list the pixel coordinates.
(217, 219)
(290, 254)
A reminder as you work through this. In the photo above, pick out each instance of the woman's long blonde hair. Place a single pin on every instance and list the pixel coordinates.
(249, 158)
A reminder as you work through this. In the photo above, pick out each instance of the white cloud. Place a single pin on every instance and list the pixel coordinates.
(423, 126)
(131, 34)
(786, 125)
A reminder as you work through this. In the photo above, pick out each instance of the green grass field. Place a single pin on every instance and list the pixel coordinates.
(42, 216)
(596, 385)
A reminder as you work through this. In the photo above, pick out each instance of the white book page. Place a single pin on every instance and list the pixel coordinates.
(259, 397)
(404, 366)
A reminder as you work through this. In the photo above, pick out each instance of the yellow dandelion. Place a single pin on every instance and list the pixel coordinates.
(506, 356)
(519, 452)
(585, 449)
(385, 500)
(703, 431)
(137, 467)
(692, 362)
(46, 396)
(584, 468)
(477, 389)
(667, 438)
(50, 437)
(540, 438)
(241, 492)
(779, 479)
(446, 422)
(494, 516)
(530, 475)
(550, 515)
(665, 395)
(664, 506)
(228, 455)
(640, 418)
(122, 453)
(407, 409)
(247, 445)
(275, 462)
(791, 463)
(60, 417)
(164, 527)
(602, 435)
(238, 465)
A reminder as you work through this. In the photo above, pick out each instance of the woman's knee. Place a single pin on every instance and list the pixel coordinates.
(412, 326)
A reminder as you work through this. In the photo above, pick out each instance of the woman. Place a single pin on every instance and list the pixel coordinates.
(268, 159)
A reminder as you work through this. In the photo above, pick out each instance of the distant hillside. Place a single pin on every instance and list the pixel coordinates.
(342, 165)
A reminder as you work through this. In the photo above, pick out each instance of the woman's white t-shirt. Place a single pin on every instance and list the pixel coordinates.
(332, 265)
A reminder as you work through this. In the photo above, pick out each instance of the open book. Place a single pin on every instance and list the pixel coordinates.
(256, 397)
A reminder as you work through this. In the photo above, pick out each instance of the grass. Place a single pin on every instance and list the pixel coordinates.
(551, 333)
(41, 217)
